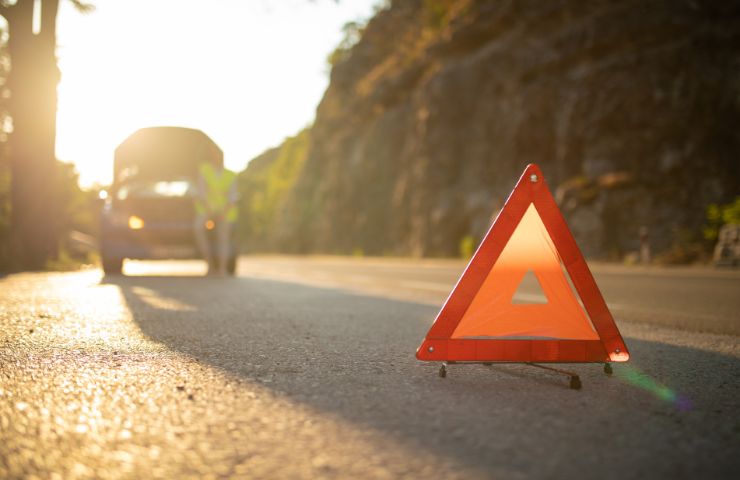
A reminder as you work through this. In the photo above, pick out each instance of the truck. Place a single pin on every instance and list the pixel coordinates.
(149, 210)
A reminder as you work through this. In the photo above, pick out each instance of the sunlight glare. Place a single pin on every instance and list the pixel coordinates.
(160, 302)
(248, 74)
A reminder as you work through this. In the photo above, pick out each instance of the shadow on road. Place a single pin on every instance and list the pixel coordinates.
(672, 411)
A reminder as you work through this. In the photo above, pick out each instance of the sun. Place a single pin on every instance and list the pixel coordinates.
(248, 74)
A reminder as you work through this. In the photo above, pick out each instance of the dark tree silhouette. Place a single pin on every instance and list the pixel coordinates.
(32, 106)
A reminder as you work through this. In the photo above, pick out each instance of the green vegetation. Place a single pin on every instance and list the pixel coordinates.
(467, 247)
(437, 13)
(690, 247)
(75, 210)
(78, 209)
(719, 215)
(352, 33)
(264, 187)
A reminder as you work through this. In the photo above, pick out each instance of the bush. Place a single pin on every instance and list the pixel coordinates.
(467, 247)
(719, 215)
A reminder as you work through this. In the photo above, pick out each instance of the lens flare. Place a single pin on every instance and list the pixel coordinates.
(135, 223)
(642, 380)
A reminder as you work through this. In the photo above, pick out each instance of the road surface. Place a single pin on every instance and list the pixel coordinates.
(692, 298)
(305, 368)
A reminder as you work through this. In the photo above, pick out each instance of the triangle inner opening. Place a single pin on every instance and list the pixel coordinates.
(529, 291)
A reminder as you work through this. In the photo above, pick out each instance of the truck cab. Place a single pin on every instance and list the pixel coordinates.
(150, 209)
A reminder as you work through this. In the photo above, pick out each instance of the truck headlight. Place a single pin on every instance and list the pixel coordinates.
(135, 223)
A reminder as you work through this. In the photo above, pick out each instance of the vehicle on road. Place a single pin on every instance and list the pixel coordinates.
(149, 212)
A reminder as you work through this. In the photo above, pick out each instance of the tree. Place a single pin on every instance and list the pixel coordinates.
(4, 161)
(32, 105)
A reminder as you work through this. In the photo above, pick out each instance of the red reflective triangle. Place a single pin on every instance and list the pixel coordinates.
(484, 319)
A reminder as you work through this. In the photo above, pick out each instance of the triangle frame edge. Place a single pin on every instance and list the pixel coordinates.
(438, 344)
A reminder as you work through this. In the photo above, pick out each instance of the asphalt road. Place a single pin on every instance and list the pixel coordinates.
(305, 368)
(691, 298)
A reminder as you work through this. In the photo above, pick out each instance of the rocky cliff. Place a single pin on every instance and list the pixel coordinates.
(631, 108)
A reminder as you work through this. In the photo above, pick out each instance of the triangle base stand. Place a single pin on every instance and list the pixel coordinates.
(574, 379)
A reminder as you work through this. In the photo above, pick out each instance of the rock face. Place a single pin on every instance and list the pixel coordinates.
(631, 108)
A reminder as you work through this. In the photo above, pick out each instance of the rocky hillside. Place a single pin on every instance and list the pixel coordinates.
(631, 108)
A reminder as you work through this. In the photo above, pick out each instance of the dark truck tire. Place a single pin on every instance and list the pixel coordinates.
(112, 266)
(230, 266)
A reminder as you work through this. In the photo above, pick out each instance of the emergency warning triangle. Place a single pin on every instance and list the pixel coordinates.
(486, 320)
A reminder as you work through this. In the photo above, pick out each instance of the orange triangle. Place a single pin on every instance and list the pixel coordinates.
(486, 320)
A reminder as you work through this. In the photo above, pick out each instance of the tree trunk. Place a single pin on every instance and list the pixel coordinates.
(32, 83)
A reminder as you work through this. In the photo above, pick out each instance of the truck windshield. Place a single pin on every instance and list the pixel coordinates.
(176, 188)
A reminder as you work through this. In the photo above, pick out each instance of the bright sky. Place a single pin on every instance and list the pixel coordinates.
(247, 72)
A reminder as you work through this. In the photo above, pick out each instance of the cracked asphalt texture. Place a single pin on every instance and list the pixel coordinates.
(311, 374)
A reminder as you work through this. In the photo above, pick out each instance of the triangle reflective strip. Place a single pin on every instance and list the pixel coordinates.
(479, 322)
(492, 313)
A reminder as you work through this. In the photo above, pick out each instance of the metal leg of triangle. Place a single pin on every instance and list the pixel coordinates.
(575, 380)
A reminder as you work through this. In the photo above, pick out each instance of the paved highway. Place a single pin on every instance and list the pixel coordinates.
(698, 299)
(305, 368)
